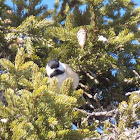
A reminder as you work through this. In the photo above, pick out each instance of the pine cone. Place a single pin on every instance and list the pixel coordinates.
(82, 37)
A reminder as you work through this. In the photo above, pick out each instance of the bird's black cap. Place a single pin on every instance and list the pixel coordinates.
(53, 63)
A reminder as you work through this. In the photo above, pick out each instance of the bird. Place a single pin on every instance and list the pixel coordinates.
(61, 71)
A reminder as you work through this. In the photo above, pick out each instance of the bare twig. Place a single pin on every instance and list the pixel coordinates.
(86, 88)
(98, 101)
(92, 77)
(86, 119)
(132, 80)
(136, 73)
(103, 113)
(129, 81)
(135, 92)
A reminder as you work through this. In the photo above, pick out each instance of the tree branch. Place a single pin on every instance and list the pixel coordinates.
(101, 114)
(135, 92)
(92, 77)
(132, 80)
(137, 75)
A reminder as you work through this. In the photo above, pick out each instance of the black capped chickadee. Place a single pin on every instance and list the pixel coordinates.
(61, 71)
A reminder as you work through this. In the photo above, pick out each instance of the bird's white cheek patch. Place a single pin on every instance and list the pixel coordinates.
(49, 70)
(62, 66)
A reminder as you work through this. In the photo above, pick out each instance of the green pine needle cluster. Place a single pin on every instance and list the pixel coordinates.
(35, 110)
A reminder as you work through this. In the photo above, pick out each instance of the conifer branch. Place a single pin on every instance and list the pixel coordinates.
(98, 101)
(136, 73)
(134, 79)
(135, 92)
(99, 114)
(94, 17)
(35, 108)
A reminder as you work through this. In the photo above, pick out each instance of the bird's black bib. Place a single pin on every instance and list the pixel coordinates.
(56, 73)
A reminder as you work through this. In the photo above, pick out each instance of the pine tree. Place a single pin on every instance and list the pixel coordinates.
(25, 8)
(5, 21)
(15, 37)
(35, 110)
(97, 61)
(108, 66)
